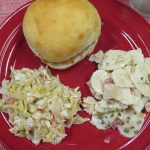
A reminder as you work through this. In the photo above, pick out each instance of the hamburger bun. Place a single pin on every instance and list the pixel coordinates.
(61, 32)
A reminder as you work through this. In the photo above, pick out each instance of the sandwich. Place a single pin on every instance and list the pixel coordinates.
(61, 32)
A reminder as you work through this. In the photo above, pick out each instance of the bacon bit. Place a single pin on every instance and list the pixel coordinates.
(62, 130)
(110, 102)
(53, 124)
(30, 128)
(129, 110)
(109, 81)
(42, 110)
(116, 123)
(42, 77)
(31, 132)
(132, 90)
(79, 102)
(11, 100)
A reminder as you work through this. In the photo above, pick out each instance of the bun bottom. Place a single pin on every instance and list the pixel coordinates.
(70, 62)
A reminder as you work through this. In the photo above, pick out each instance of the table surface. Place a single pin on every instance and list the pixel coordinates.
(9, 6)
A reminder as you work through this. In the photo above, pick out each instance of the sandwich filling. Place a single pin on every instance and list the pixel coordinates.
(71, 61)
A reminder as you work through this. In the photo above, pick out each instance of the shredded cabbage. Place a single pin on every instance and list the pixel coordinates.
(39, 105)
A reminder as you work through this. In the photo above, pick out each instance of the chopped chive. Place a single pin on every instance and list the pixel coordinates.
(101, 96)
(139, 122)
(149, 77)
(136, 131)
(132, 127)
(119, 114)
(103, 122)
(100, 116)
(126, 130)
(112, 115)
(128, 118)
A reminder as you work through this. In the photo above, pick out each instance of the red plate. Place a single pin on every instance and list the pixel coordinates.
(123, 29)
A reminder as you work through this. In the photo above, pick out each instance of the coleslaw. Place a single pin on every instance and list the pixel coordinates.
(39, 105)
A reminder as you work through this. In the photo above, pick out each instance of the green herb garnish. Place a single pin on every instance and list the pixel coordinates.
(128, 118)
(149, 77)
(112, 115)
(136, 131)
(126, 130)
(139, 122)
(103, 122)
(101, 96)
(132, 127)
(100, 115)
(119, 114)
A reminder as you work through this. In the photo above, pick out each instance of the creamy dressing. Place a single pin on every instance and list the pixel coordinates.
(121, 86)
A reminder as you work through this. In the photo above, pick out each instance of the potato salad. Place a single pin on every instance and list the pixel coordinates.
(39, 105)
(121, 87)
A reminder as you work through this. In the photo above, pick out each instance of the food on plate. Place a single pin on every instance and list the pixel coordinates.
(97, 80)
(39, 106)
(114, 60)
(61, 32)
(133, 122)
(121, 86)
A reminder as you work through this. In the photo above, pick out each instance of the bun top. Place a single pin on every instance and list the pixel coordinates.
(58, 30)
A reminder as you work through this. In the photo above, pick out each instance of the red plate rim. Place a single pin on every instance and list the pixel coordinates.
(143, 30)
